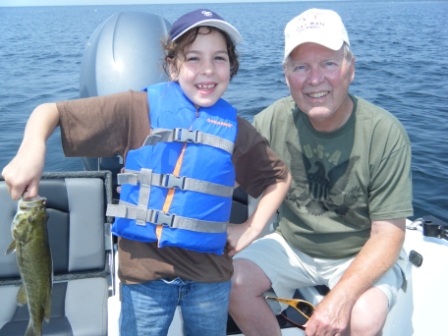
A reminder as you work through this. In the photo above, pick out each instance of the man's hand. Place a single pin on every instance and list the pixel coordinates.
(331, 317)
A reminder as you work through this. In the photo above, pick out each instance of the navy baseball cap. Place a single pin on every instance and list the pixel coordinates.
(203, 17)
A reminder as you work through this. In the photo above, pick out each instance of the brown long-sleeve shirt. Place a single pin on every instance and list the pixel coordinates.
(114, 124)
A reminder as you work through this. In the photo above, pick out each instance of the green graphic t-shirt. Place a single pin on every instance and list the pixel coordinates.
(341, 180)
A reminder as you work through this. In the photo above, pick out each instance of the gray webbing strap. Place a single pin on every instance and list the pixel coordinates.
(170, 181)
(185, 135)
(143, 196)
(127, 210)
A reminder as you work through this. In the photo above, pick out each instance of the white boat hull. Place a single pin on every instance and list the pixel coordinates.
(420, 309)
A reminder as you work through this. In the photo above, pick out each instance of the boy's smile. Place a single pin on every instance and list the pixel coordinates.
(204, 72)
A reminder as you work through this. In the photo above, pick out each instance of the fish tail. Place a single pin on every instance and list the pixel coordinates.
(30, 331)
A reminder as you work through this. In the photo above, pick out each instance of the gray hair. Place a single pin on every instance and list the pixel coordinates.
(348, 55)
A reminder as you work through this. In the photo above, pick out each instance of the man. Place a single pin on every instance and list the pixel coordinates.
(342, 224)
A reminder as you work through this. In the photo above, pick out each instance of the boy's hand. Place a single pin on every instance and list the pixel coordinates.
(239, 236)
(23, 173)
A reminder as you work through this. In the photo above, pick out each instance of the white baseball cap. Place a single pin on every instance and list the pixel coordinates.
(321, 26)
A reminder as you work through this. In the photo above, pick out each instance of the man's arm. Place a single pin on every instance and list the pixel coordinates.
(376, 257)
(23, 173)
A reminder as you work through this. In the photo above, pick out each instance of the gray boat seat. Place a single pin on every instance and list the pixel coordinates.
(239, 213)
(79, 236)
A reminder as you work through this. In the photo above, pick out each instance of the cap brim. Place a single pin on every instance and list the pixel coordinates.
(222, 25)
(332, 43)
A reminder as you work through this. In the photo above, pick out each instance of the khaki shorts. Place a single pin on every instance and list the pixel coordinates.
(289, 269)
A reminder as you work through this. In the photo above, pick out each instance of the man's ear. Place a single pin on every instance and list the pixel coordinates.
(286, 75)
(352, 76)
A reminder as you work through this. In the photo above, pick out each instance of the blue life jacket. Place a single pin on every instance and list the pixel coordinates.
(188, 206)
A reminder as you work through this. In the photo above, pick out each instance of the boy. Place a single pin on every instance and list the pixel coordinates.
(172, 234)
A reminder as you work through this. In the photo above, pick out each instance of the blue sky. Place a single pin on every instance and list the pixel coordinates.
(112, 2)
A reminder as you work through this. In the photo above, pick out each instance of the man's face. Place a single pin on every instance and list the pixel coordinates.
(318, 79)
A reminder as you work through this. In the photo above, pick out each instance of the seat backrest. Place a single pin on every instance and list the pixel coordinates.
(79, 237)
(76, 205)
(239, 213)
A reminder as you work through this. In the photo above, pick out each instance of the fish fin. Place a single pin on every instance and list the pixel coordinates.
(31, 332)
(47, 308)
(11, 247)
(21, 296)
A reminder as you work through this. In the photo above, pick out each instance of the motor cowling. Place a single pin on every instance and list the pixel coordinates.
(123, 53)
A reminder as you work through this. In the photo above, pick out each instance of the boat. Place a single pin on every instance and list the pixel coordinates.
(86, 292)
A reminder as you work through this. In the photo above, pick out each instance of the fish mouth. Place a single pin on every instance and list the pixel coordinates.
(31, 202)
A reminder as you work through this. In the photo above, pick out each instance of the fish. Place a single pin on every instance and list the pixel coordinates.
(30, 242)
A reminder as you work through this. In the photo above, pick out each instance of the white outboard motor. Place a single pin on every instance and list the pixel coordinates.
(123, 53)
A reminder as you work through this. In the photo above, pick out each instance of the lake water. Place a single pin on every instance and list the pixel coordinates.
(401, 51)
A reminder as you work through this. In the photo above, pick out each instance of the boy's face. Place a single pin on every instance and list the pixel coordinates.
(204, 73)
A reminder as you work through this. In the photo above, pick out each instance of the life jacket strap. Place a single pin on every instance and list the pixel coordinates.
(170, 181)
(185, 135)
(143, 196)
(131, 211)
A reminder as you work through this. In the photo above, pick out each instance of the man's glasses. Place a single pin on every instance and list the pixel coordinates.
(305, 308)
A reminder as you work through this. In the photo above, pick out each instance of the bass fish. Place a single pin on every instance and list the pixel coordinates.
(30, 241)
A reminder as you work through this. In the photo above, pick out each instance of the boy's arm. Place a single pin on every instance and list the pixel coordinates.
(239, 236)
(23, 173)
(259, 171)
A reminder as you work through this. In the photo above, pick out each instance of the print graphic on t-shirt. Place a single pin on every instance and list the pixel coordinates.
(320, 189)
